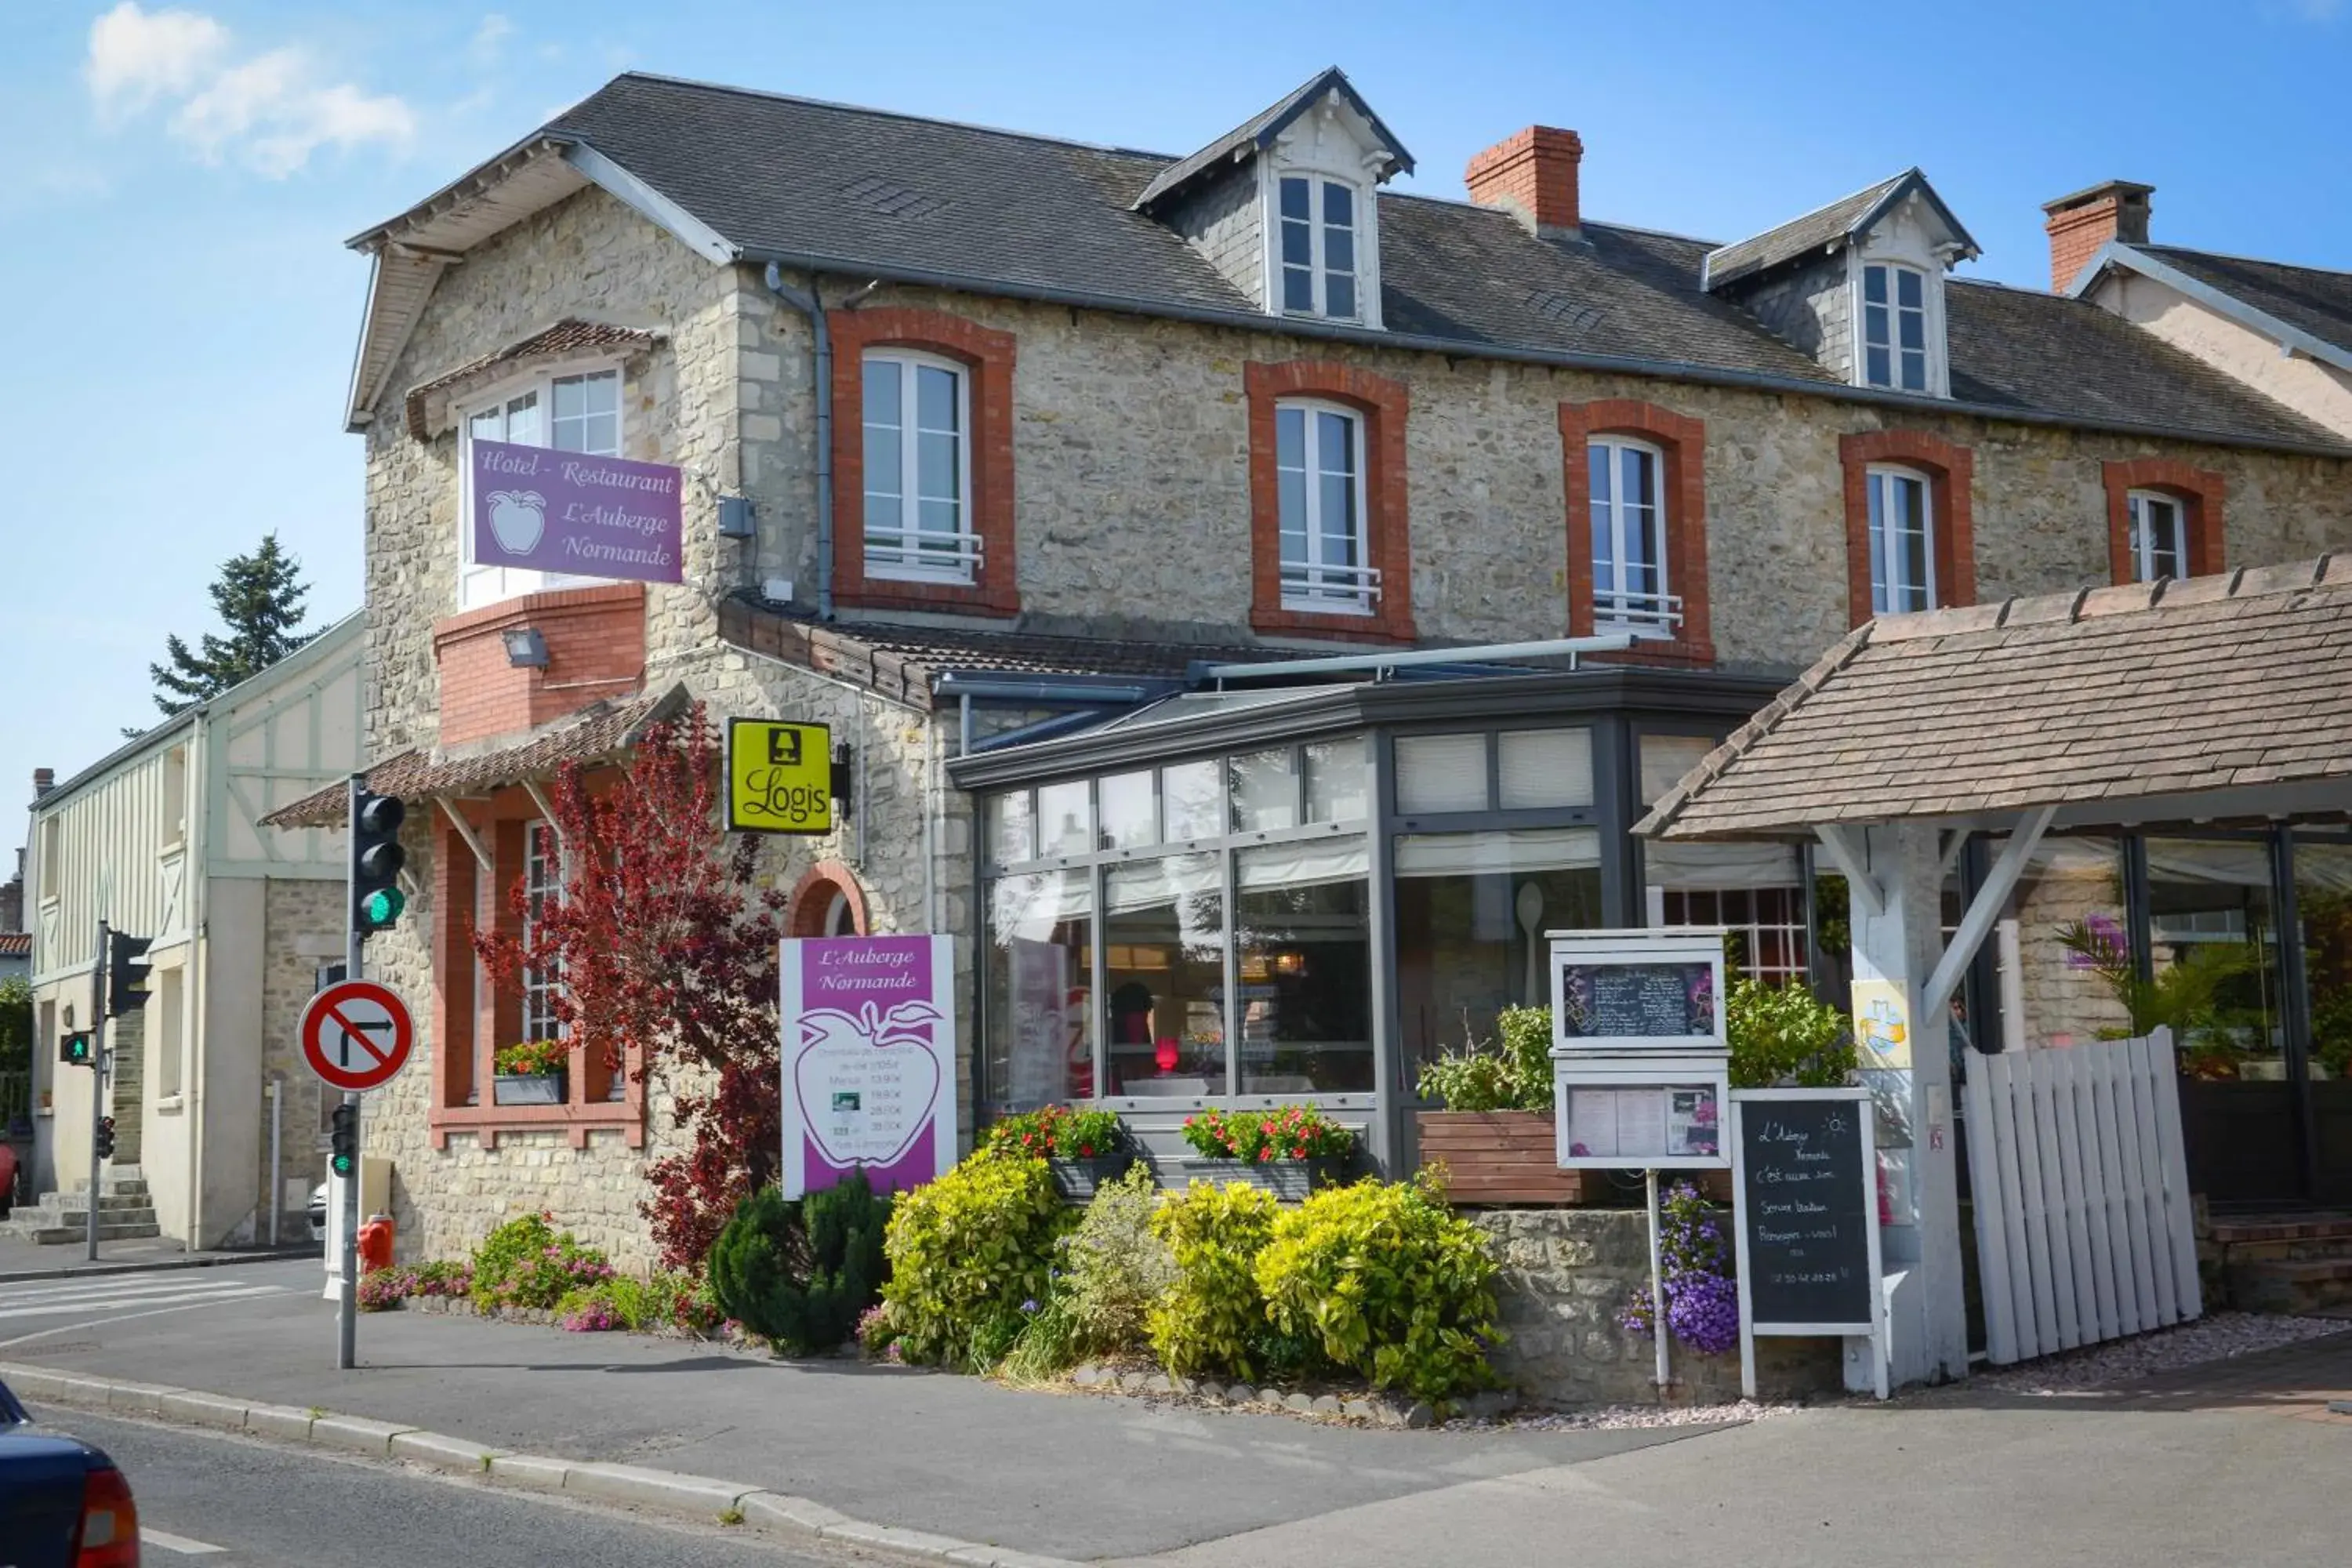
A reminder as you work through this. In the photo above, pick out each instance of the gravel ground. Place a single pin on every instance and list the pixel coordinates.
(2218, 1338)
(1609, 1417)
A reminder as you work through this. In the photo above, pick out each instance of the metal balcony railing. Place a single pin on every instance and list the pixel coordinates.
(1352, 590)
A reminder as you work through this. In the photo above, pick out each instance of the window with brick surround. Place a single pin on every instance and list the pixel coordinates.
(576, 411)
(2164, 520)
(1319, 461)
(892, 543)
(474, 1013)
(1330, 554)
(1630, 587)
(1910, 524)
(1635, 475)
(917, 470)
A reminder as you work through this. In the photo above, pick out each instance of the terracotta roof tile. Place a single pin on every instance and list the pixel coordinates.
(569, 336)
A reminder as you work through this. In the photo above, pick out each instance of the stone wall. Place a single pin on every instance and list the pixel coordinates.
(1130, 477)
(1567, 1274)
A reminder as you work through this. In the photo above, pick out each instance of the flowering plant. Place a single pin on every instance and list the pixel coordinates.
(1058, 1132)
(532, 1058)
(383, 1289)
(1293, 1132)
(1702, 1300)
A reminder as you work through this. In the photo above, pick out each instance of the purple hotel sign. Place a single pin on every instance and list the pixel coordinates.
(582, 516)
(868, 1060)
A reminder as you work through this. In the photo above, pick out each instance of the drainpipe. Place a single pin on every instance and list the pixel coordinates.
(810, 304)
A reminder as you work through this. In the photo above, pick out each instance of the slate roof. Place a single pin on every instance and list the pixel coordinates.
(866, 193)
(2311, 299)
(2094, 699)
(1260, 130)
(1802, 236)
(902, 662)
(593, 734)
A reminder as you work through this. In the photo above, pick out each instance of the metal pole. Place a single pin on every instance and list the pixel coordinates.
(277, 1183)
(346, 1299)
(97, 1081)
(1657, 1290)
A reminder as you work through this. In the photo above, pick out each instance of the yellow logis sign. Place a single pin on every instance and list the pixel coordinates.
(779, 776)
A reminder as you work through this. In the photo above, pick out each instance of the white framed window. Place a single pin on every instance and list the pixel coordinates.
(1902, 542)
(1318, 220)
(1319, 471)
(1895, 328)
(542, 877)
(570, 411)
(917, 412)
(2159, 535)
(1629, 590)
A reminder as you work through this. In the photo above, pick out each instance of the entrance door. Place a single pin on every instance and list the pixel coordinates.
(2323, 910)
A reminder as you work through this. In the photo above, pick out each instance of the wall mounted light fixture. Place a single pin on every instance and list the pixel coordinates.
(526, 650)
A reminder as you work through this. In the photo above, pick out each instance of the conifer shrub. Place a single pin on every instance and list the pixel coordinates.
(799, 1273)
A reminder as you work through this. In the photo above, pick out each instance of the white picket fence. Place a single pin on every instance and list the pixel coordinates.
(2083, 1229)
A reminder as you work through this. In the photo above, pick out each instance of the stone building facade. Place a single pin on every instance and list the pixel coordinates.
(1127, 377)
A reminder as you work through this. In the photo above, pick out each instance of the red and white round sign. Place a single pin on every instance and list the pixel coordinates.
(356, 1035)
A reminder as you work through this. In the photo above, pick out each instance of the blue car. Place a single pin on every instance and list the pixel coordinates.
(62, 1503)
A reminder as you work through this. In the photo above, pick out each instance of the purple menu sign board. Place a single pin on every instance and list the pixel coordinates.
(868, 1060)
(582, 516)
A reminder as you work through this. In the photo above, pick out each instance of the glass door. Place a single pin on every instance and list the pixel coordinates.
(2322, 909)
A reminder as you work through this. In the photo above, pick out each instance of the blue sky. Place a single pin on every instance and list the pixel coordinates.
(176, 180)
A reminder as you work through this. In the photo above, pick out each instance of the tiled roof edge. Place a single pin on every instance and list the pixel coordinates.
(1670, 806)
(2122, 599)
(828, 651)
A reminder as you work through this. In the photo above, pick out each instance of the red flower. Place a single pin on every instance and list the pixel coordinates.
(1086, 1150)
(1264, 1155)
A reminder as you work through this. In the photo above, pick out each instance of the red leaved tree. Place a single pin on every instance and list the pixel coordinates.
(667, 953)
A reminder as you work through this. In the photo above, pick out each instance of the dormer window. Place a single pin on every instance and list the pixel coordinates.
(1318, 246)
(1895, 327)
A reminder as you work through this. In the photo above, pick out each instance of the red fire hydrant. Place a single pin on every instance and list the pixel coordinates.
(375, 1244)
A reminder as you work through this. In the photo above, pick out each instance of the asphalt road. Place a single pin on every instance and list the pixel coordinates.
(217, 1501)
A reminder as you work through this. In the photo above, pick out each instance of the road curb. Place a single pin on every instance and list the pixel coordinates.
(156, 1266)
(702, 1498)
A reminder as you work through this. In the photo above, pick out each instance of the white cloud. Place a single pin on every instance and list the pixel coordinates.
(269, 112)
(136, 56)
(490, 39)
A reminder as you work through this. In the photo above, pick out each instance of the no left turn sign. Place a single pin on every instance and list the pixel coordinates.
(356, 1035)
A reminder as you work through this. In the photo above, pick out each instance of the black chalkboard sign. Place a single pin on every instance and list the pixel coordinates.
(1637, 1001)
(1808, 1211)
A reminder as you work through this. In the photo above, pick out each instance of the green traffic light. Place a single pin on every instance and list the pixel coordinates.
(341, 1164)
(383, 906)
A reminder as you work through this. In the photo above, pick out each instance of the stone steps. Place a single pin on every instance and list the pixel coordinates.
(2294, 1263)
(125, 1213)
(2299, 1286)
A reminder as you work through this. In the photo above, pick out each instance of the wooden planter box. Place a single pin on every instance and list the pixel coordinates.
(1075, 1180)
(535, 1089)
(1288, 1180)
(1498, 1156)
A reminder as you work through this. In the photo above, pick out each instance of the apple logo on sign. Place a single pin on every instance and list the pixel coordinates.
(518, 518)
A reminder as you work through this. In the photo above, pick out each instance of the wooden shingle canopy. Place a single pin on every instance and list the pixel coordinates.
(2210, 700)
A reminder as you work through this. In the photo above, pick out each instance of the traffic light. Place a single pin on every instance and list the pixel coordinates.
(74, 1049)
(126, 977)
(376, 857)
(103, 1147)
(345, 1156)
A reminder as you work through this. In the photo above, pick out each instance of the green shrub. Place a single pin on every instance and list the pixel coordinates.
(527, 1263)
(1212, 1317)
(1514, 1074)
(1387, 1282)
(1784, 1034)
(1108, 1274)
(799, 1272)
(966, 1252)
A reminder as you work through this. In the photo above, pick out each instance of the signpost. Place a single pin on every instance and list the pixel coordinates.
(1641, 1063)
(779, 777)
(1806, 1229)
(869, 1055)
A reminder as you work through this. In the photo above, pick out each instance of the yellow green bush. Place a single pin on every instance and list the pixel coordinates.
(1387, 1282)
(970, 1255)
(1212, 1317)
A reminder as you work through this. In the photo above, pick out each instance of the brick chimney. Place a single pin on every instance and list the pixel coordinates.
(2078, 225)
(1532, 177)
(44, 781)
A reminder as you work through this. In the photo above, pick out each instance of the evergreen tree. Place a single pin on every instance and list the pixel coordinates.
(260, 597)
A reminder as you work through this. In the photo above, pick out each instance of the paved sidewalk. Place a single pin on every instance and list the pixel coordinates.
(32, 1260)
(1065, 1476)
